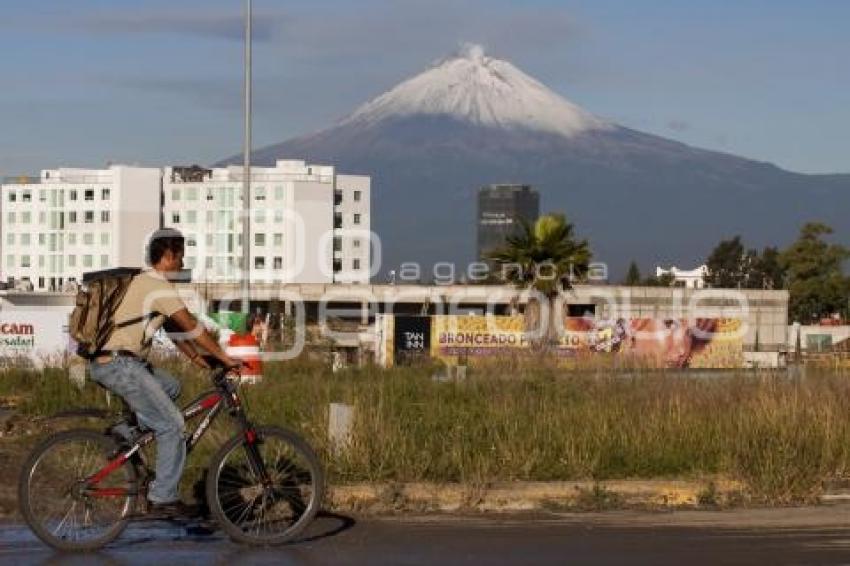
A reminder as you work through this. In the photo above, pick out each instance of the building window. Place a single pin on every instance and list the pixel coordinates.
(72, 217)
(209, 240)
(26, 217)
(89, 194)
(355, 264)
(10, 218)
(73, 195)
(278, 239)
(104, 260)
(25, 239)
(89, 217)
(72, 239)
(72, 261)
(278, 217)
(104, 216)
(357, 195)
(337, 265)
(259, 239)
(192, 193)
(260, 193)
(88, 239)
(356, 242)
(259, 262)
(87, 261)
(278, 192)
(42, 217)
(260, 216)
(277, 263)
(209, 194)
(42, 195)
(175, 195)
(357, 219)
(337, 220)
(209, 262)
(337, 198)
(191, 217)
(175, 218)
(26, 196)
(337, 244)
(41, 282)
(191, 242)
(10, 239)
(42, 239)
(25, 261)
(104, 194)
(104, 238)
(13, 196)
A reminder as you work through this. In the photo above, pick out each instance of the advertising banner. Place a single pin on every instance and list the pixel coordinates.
(41, 336)
(660, 343)
(412, 338)
(459, 335)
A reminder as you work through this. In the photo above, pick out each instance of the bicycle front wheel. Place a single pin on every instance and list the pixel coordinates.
(254, 512)
(56, 502)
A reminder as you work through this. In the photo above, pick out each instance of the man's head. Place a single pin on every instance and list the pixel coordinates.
(165, 250)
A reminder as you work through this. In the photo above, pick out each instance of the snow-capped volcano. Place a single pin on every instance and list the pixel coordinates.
(470, 120)
(479, 89)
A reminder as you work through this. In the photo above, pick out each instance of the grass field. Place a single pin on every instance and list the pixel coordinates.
(784, 437)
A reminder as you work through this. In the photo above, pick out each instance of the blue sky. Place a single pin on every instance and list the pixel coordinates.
(159, 82)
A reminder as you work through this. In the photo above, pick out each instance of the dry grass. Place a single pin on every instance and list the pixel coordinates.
(785, 437)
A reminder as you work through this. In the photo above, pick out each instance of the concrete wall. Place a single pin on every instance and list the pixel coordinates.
(765, 313)
(837, 334)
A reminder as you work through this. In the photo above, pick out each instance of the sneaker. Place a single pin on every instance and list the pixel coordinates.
(172, 510)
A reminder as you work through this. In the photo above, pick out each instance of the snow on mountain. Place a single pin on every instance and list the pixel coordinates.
(471, 120)
(476, 88)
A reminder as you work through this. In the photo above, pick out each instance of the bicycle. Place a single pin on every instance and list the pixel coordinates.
(80, 488)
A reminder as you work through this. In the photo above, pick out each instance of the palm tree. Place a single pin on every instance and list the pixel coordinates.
(546, 257)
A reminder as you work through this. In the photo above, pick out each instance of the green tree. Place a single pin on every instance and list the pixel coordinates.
(815, 277)
(633, 275)
(765, 270)
(545, 256)
(727, 265)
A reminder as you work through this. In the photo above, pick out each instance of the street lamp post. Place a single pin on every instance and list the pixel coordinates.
(246, 171)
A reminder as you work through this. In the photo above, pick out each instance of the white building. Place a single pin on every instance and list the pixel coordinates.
(69, 221)
(308, 225)
(690, 278)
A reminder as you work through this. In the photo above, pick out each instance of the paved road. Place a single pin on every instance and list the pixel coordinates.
(795, 536)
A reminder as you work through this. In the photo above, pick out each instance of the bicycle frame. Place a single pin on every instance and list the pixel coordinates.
(210, 403)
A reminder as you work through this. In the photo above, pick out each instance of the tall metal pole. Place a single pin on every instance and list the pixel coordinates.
(246, 171)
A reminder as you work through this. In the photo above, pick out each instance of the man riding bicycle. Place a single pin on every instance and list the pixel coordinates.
(121, 366)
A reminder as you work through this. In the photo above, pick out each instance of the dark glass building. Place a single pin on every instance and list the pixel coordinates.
(500, 209)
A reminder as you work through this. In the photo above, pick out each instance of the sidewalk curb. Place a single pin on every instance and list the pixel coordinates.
(535, 496)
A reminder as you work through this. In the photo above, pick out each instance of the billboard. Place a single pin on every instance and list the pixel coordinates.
(639, 342)
(40, 336)
(411, 340)
(459, 335)
(659, 343)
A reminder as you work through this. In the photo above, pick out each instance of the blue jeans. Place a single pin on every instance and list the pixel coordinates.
(150, 393)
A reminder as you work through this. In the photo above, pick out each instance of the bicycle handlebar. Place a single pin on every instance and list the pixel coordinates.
(219, 370)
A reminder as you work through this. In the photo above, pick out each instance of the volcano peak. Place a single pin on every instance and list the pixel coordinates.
(473, 87)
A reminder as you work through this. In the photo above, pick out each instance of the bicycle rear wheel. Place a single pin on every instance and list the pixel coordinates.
(254, 513)
(53, 497)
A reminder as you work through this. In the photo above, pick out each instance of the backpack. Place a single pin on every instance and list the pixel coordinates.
(92, 321)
